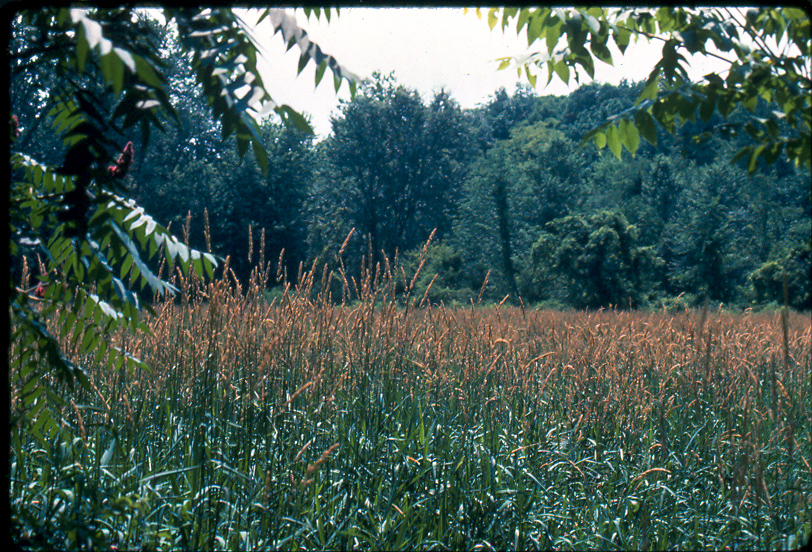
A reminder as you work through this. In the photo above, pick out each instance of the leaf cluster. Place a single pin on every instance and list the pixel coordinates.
(96, 249)
(767, 50)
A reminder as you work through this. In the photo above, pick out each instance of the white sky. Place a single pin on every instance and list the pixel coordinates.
(428, 49)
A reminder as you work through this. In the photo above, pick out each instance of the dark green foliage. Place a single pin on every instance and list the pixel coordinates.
(93, 76)
(532, 217)
(515, 188)
(709, 222)
(591, 262)
(441, 278)
(794, 271)
(496, 119)
(397, 167)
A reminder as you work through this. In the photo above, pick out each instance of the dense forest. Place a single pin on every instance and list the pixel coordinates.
(515, 206)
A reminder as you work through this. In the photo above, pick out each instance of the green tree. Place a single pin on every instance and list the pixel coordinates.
(514, 189)
(795, 268)
(591, 262)
(495, 119)
(767, 51)
(273, 203)
(710, 236)
(441, 278)
(399, 165)
(103, 75)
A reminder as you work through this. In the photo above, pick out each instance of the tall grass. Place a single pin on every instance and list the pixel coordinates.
(385, 422)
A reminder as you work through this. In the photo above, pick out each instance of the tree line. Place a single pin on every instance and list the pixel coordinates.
(518, 207)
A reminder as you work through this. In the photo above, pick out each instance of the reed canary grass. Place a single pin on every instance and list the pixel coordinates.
(384, 421)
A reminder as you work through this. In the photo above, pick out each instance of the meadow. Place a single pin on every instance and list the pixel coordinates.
(295, 422)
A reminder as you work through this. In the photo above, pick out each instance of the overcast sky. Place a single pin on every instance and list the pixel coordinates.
(427, 48)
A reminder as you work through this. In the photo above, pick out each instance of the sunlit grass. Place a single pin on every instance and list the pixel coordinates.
(297, 423)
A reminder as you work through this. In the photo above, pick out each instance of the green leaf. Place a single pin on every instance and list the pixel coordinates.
(563, 71)
(622, 38)
(82, 48)
(531, 78)
(126, 58)
(303, 59)
(553, 35)
(613, 140)
(534, 29)
(708, 105)
(773, 152)
(522, 19)
(242, 145)
(291, 116)
(320, 71)
(89, 341)
(646, 126)
(260, 154)
(593, 24)
(492, 18)
(629, 135)
(113, 71)
(147, 73)
(601, 51)
(772, 128)
(147, 276)
(750, 102)
(752, 164)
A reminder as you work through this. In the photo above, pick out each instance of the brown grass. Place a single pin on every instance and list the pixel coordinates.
(604, 367)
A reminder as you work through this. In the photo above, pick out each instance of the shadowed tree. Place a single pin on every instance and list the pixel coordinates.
(399, 164)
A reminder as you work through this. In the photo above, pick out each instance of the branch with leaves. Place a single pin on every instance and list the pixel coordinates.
(100, 249)
(767, 50)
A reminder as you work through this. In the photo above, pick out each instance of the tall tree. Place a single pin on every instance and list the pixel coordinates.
(273, 203)
(495, 119)
(514, 189)
(592, 262)
(399, 162)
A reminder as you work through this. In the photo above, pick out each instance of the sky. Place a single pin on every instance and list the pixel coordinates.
(428, 49)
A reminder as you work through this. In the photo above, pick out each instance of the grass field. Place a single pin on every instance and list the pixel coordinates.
(383, 424)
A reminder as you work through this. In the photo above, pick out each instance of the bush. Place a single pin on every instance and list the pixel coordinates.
(767, 282)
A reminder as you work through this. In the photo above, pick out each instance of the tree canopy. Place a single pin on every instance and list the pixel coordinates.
(767, 50)
(400, 161)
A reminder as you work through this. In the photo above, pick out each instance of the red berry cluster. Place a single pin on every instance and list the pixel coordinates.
(119, 170)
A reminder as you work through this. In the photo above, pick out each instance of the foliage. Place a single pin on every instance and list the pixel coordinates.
(440, 278)
(383, 421)
(513, 190)
(767, 50)
(96, 247)
(594, 261)
(398, 163)
(683, 199)
(793, 271)
(492, 206)
(496, 118)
